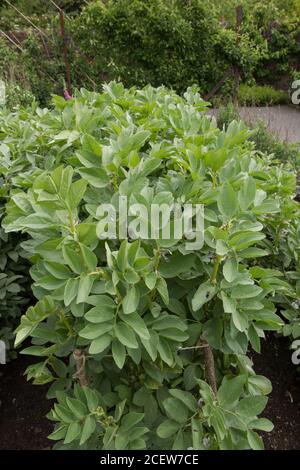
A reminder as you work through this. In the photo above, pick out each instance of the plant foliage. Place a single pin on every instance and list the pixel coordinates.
(131, 321)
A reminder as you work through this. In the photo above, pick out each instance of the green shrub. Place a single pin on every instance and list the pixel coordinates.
(157, 42)
(261, 96)
(175, 43)
(29, 75)
(137, 322)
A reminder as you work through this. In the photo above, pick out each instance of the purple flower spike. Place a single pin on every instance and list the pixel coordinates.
(67, 95)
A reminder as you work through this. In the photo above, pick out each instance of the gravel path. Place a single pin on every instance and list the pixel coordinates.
(283, 121)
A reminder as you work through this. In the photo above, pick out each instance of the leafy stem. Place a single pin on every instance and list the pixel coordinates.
(215, 270)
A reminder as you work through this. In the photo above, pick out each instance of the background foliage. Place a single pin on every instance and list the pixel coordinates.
(157, 42)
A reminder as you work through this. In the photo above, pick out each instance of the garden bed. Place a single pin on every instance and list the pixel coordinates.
(23, 409)
(283, 407)
(24, 426)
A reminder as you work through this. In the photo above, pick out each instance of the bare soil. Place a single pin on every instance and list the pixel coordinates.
(23, 409)
(23, 406)
(283, 407)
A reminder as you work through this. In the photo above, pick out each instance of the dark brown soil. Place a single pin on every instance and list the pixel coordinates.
(23, 409)
(23, 406)
(283, 408)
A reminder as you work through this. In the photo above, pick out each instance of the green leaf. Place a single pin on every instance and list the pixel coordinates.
(229, 305)
(88, 428)
(262, 424)
(253, 252)
(132, 251)
(245, 291)
(230, 269)
(120, 409)
(92, 331)
(34, 316)
(110, 433)
(101, 314)
(86, 233)
(136, 434)
(165, 322)
(63, 413)
(240, 320)
(185, 397)
(244, 239)
(131, 420)
(227, 201)
(165, 351)
(58, 434)
(73, 259)
(150, 280)
(88, 257)
(260, 383)
(104, 310)
(255, 441)
(122, 256)
(131, 300)
(73, 432)
(230, 390)
(90, 152)
(167, 429)
(122, 440)
(151, 345)
(84, 288)
(175, 335)
(178, 443)
(254, 338)
(135, 321)
(197, 434)
(176, 410)
(251, 406)
(97, 177)
(98, 345)
(247, 193)
(92, 398)
(76, 193)
(162, 288)
(119, 353)
(57, 270)
(77, 407)
(203, 294)
(126, 335)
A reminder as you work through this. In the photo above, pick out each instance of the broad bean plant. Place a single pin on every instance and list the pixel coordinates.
(145, 341)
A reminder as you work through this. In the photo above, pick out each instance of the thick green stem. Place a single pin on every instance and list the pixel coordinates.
(215, 269)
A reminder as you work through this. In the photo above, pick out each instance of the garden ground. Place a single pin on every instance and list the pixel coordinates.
(282, 121)
(24, 406)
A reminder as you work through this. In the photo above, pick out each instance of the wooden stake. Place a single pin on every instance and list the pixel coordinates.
(236, 73)
(209, 365)
(65, 50)
(80, 367)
